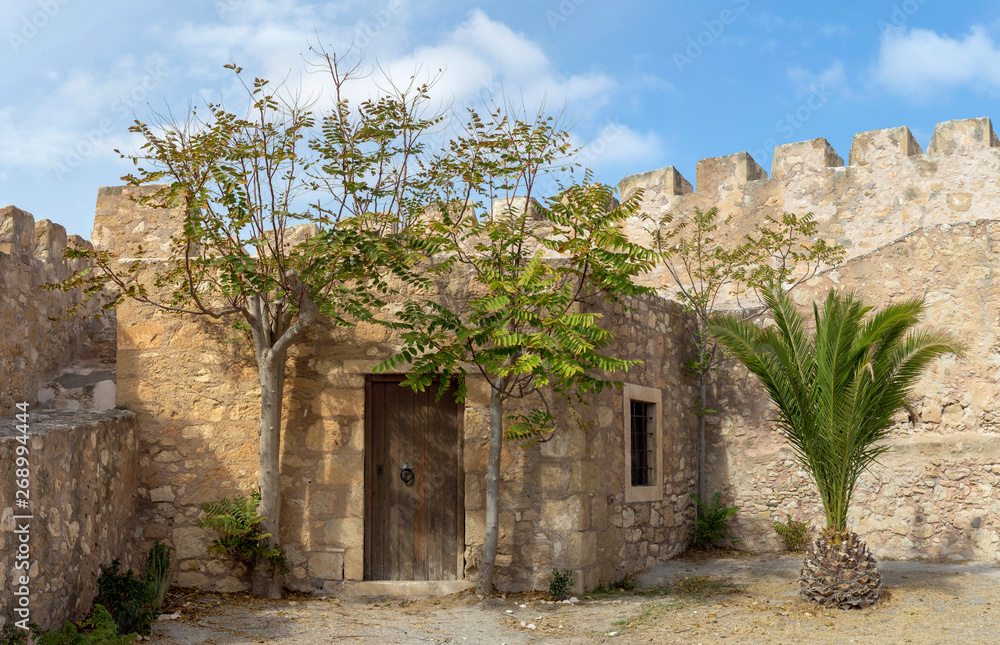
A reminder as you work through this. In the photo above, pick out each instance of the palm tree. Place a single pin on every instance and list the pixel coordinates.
(836, 396)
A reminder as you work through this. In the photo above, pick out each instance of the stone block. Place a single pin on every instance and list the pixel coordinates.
(567, 442)
(340, 469)
(340, 402)
(345, 532)
(123, 225)
(17, 232)
(804, 157)
(329, 501)
(963, 134)
(726, 174)
(585, 476)
(140, 336)
(581, 549)
(570, 514)
(190, 542)
(514, 207)
(328, 566)
(883, 147)
(667, 181)
(554, 476)
(162, 494)
(354, 564)
(50, 241)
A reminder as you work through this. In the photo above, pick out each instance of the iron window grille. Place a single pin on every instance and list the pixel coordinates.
(643, 444)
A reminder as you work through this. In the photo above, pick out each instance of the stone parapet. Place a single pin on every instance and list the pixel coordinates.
(84, 470)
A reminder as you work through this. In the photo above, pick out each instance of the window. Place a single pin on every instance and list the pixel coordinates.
(643, 444)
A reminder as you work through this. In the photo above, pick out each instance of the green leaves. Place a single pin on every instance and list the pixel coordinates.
(532, 265)
(837, 393)
(239, 523)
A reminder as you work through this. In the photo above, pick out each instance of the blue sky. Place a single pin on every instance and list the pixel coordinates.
(650, 84)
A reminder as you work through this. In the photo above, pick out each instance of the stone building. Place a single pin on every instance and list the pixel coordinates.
(913, 224)
(347, 514)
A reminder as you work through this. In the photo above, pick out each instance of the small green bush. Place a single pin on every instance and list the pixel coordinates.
(129, 600)
(793, 533)
(14, 635)
(561, 583)
(241, 539)
(97, 629)
(712, 522)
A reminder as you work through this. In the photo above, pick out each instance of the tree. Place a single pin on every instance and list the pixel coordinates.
(705, 269)
(242, 182)
(836, 395)
(534, 266)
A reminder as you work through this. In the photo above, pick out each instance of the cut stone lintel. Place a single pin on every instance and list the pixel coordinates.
(883, 147)
(726, 174)
(801, 157)
(665, 180)
(962, 134)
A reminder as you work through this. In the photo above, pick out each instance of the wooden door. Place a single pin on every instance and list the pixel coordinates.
(414, 527)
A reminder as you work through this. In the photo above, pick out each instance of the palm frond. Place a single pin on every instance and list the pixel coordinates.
(836, 393)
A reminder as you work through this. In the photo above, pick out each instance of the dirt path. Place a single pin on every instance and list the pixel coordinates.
(928, 604)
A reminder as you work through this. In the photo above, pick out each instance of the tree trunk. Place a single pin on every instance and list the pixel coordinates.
(703, 394)
(266, 580)
(484, 585)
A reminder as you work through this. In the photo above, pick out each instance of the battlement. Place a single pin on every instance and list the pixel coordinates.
(889, 188)
(36, 345)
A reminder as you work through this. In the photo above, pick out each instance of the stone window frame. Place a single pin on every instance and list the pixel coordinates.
(632, 392)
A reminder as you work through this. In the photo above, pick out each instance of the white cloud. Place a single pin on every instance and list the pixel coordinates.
(920, 64)
(79, 116)
(85, 113)
(616, 144)
(831, 79)
(485, 56)
(834, 31)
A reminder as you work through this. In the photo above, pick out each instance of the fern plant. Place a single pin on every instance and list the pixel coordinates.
(242, 539)
(712, 522)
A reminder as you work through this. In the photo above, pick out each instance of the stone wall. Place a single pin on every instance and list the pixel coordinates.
(34, 348)
(914, 225)
(198, 405)
(84, 472)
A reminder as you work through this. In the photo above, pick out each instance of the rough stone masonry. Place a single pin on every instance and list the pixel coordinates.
(915, 224)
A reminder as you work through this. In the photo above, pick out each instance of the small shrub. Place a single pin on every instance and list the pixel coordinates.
(561, 583)
(97, 629)
(793, 533)
(241, 539)
(159, 571)
(712, 522)
(127, 598)
(14, 635)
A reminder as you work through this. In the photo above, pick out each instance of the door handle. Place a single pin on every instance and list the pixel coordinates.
(406, 474)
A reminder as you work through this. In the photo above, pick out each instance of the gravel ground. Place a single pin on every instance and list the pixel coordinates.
(927, 604)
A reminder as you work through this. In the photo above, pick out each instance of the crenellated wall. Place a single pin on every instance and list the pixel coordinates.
(34, 348)
(914, 224)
